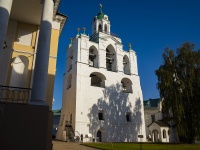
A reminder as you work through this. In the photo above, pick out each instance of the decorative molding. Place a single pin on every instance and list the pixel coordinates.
(25, 52)
(53, 57)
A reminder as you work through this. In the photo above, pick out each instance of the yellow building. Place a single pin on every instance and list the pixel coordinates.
(29, 35)
(17, 60)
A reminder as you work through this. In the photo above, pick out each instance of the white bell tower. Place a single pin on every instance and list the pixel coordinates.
(101, 23)
(102, 96)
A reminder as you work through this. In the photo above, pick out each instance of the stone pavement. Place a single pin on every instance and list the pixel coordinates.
(59, 145)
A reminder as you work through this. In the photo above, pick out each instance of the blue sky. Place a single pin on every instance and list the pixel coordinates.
(150, 25)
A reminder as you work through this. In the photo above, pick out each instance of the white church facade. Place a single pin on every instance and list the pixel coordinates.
(102, 96)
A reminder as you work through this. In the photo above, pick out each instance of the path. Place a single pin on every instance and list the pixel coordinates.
(59, 145)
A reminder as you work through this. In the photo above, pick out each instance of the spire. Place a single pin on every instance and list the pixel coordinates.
(100, 7)
(84, 30)
(130, 46)
(100, 14)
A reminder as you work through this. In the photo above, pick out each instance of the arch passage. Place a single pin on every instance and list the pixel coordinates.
(126, 85)
(97, 79)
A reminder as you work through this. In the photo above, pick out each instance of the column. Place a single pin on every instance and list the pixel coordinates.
(39, 87)
(97, 26)
(153, 136)
(5, 7)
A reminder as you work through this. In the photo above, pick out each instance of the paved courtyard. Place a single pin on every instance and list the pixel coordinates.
(59, 145)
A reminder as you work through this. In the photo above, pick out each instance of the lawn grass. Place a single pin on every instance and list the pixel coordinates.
(145, 146)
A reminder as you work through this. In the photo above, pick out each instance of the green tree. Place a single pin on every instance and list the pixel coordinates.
(179, 86)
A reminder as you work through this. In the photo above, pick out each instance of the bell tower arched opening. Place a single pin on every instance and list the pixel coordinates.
(126, 85)
(100, 28)
(110, 58)
(97, 79)
(105, 28)
(93, 57)
(126, 65)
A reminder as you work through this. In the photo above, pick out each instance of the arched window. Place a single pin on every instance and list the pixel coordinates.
(126, 85)
(19, 71)
(164, 133)
(110, 58)
(93, 57)
(105, 28)
(126, 65)
(69, 81)
(97, 79)
(100, 28)
(70, 59)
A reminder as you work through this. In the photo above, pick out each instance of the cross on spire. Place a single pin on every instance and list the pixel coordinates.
(100, 7)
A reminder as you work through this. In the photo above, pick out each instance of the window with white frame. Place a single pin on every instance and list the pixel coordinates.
(164, 134)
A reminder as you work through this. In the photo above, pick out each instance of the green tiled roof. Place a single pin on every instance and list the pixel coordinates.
(56, 112)
(100, 16)
(151, 103)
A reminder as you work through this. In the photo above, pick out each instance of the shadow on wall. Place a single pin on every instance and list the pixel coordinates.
(121, 120)
(20, 77)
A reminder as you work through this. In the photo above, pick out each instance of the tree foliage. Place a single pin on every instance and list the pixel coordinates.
(179, 86)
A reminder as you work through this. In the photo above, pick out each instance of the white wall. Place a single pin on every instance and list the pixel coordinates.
(84, 101)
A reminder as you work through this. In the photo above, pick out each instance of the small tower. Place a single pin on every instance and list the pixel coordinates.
(101, 22)
(102, 97)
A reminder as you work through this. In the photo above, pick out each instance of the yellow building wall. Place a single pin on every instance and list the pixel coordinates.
(30, 66)
(23, 50)
(28, 51)
(27, 27)
(52, 66)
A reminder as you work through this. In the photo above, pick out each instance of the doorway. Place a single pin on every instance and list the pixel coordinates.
(99, 136)
(155, 136)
